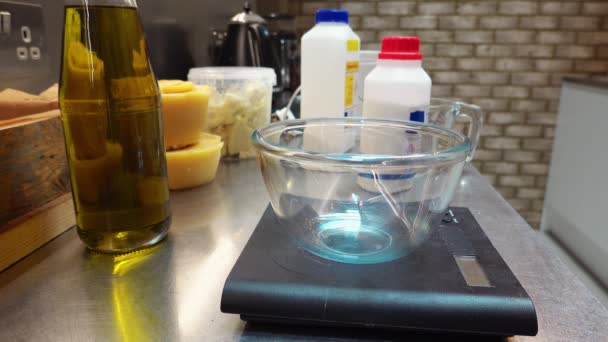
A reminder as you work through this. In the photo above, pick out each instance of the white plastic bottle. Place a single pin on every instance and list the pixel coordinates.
(367, 62)
(397, 88)
(330, 62)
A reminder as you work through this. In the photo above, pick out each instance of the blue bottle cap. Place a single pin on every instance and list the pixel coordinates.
(332, 16)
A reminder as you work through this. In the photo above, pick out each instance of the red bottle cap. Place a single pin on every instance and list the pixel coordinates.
(402, 48)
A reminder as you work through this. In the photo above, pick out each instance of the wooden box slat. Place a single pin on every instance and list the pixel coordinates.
(35, 229)
(33, 166)
(35, 199)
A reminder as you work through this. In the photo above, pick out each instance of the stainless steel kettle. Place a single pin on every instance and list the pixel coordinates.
(247, 41)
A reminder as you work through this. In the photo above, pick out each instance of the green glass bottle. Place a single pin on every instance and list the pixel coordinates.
(111, 112)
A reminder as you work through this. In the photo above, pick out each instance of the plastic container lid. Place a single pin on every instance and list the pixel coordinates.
(233, 74)
(401, 48)
(331, 16)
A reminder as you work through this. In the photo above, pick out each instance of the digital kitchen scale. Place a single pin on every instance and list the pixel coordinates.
(455, 282)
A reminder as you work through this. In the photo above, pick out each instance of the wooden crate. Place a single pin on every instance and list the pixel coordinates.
(35, 200)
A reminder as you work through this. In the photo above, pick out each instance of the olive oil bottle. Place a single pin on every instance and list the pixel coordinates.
(110, 107)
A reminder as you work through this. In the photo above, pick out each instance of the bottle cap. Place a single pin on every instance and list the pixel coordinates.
(401, 48)
(332, 16)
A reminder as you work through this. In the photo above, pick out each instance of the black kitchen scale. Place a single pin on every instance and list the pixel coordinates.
(456, 282)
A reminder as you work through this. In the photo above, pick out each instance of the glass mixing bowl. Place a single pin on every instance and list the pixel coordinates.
(360, 190)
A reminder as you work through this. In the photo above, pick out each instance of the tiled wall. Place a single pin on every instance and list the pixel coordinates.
(508, 57)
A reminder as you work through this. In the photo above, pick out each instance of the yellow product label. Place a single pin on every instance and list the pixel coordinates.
(352, 67)
(349, 88)
(352, 45)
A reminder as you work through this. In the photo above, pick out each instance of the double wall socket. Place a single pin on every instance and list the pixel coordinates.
(23, 52)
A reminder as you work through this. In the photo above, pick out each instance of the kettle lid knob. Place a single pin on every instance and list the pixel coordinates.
(247, 16)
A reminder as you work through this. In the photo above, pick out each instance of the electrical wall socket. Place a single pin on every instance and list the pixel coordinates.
(23, 53)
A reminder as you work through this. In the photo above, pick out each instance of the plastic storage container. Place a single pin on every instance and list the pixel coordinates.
(330, 63)
(240, 102)
(316, 196)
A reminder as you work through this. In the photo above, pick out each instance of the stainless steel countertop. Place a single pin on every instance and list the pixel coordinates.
(172, 292)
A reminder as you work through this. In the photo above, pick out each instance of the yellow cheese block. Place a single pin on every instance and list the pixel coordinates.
(195, 165)
(175, 86)
(184, 112)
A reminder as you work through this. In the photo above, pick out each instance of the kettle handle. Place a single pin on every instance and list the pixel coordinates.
(254, 44)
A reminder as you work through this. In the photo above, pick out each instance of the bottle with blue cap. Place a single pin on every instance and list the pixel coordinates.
(330, 63)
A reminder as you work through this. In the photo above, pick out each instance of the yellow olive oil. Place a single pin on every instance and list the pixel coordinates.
(110, 107)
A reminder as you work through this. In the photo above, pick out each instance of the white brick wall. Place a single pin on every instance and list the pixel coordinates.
(375, 22)
(396, 7)
(514, 64)
(533, 50)
(516, 181)
(521, 156)
(495, 22)
(477, 7)
(538, 22)
(559, 7)
(511, 91)
(491, 50)
(508, 56)
(515, 36)
(436, 7)
(530, 78)
(542, 119)
(599, 7)
(358, 7)
(506, 118)
(580, 23)
(450, 22)
(517, 7)
(528, 105)
(490, 77)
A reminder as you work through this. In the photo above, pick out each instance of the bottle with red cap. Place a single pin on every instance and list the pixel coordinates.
(397, 88)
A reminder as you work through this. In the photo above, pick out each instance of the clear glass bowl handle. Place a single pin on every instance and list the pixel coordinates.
(475, 115)
(471, 111)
